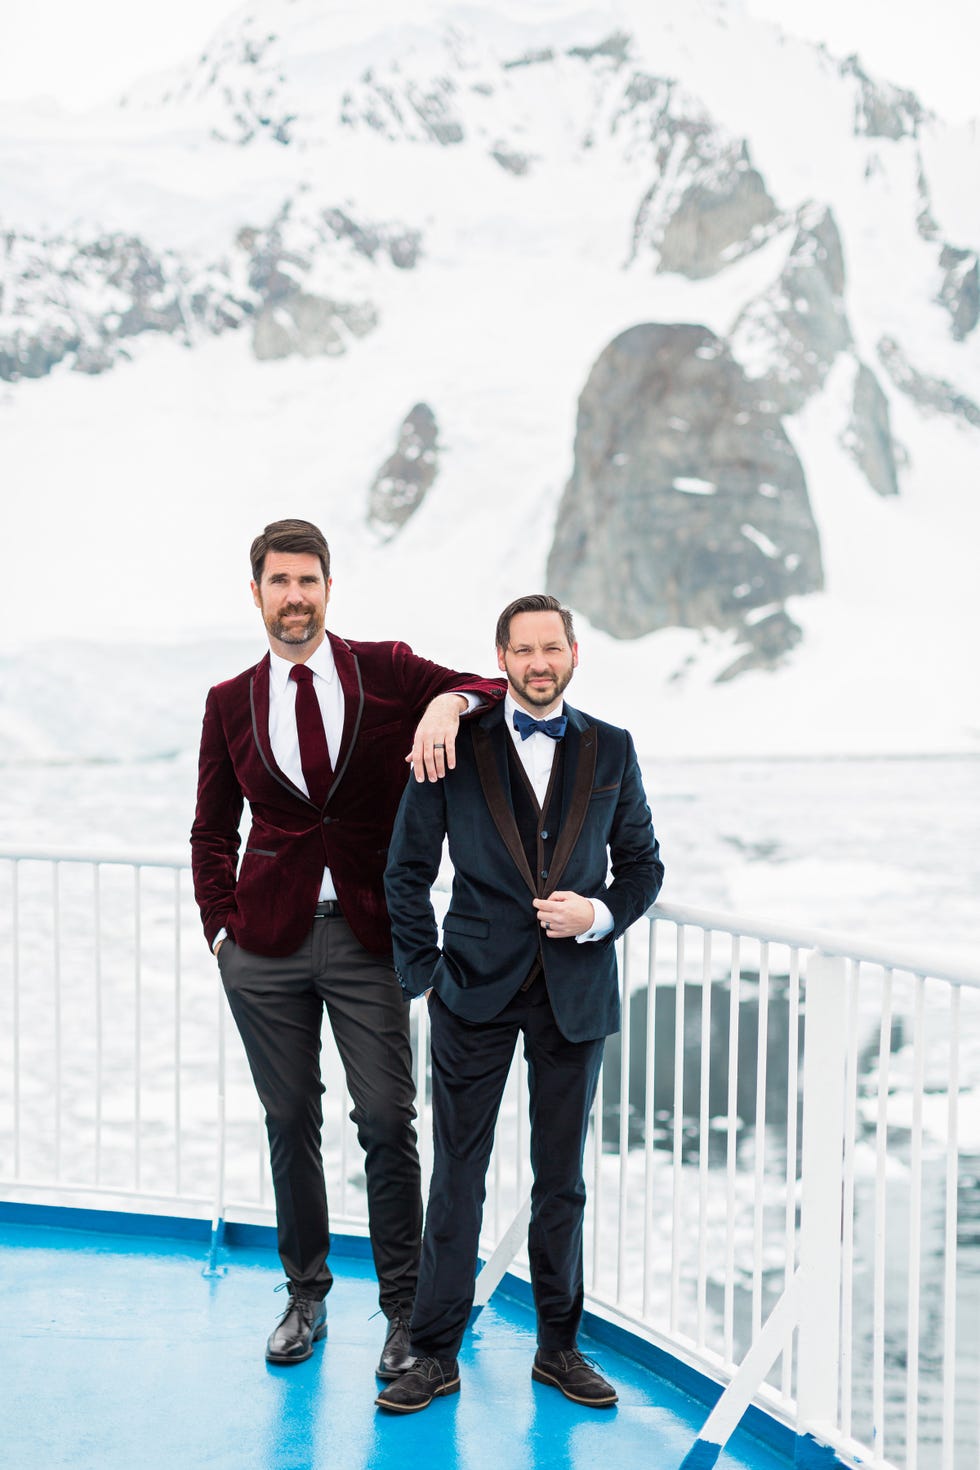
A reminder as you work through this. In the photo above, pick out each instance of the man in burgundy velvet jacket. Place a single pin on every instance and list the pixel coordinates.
(314, 737)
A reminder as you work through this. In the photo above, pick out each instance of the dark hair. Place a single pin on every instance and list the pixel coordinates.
(289, 536)
(534, 602)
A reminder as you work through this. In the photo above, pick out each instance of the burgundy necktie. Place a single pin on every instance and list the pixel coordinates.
(313, 753)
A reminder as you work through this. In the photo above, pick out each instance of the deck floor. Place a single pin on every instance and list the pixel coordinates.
(118, 1354)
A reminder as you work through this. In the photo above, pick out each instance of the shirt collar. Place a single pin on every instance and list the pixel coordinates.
(321, 662)
(510, 704)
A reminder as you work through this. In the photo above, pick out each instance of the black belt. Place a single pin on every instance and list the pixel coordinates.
(328, 908)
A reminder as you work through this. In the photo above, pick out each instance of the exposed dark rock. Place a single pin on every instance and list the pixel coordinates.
(434, 109)
(792, 334)
(614, 48)
(708, 204)
(512, 161)
(405, 110)
(405, 478)
(687, 506)
(94, 358)
(530, 58)
(313, 326)
(402, 245)
(710, 220)
(960, 291)
(32, 354)
(881, 110)
(770, 638)
(79, 300)
(245, 71)
(925, 220)
(868, 436)
(933, 395)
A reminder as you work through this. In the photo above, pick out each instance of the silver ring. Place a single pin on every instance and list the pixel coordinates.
(438, 747)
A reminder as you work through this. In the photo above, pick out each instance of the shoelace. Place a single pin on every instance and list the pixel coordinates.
(298, 1299)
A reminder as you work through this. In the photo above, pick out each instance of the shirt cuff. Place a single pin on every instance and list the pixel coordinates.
(473, 701)
(221, 934)
(602, 924)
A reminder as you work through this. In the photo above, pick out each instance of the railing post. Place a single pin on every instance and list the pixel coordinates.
(212, 1267)
(820, 1221)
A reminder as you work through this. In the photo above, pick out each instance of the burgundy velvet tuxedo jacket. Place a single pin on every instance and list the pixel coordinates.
(267, 906)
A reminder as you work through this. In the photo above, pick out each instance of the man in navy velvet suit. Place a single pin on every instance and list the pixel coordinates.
(542, 800)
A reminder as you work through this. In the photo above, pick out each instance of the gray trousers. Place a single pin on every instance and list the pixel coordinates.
(278, 1008)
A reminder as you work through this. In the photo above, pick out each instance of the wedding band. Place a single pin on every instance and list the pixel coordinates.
(547, 923)
(438, 747)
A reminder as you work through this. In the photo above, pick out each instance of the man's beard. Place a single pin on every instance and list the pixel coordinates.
(543, 698)
(294, 633)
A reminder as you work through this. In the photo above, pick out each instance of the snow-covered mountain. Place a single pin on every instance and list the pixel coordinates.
(652, 306)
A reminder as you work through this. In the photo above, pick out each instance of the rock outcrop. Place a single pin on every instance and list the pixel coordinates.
(790, 336)
(310, 326)
(82, 300)
(881, 110)
(687, 506)
(868, 436)
(708, 204)
(933, 395)
(406, 477)
(960, 290)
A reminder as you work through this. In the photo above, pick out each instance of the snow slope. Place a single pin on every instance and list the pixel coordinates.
(129, 498)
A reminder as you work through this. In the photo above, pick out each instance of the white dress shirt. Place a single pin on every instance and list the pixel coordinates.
(283, 734)
(537, 755)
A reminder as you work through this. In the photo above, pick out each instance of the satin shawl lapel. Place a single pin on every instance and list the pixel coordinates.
(581, 741)
(490, 754)
(258, 698)
(349, 674)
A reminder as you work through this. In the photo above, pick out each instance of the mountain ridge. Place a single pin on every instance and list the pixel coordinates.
(469, 226)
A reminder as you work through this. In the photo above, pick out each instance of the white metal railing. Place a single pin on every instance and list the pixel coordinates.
(120, 1078)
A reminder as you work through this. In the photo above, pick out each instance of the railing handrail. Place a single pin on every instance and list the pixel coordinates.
(934, 965)
(121, 858)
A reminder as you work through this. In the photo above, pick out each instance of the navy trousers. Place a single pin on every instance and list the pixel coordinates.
(470, 1062)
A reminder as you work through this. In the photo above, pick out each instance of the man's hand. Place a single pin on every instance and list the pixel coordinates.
(565, 915)
(434, 750)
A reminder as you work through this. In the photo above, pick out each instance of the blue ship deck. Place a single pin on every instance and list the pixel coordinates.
(119, 1354)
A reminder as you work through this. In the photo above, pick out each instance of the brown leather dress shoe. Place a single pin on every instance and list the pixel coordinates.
(302, 1324)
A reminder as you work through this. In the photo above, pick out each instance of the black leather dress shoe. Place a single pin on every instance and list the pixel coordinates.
(396, 1355)
(575, 1376)
(426, 1380)
(302, 1324)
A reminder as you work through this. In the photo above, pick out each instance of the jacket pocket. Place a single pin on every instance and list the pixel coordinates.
(261, 852)
(603, 790)
(466, 924)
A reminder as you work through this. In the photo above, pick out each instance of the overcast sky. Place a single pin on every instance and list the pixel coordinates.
(80, 53)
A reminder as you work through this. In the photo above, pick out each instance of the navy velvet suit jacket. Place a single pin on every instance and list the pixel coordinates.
(491, 933)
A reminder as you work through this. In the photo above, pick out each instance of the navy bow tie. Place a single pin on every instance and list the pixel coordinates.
(525, 725)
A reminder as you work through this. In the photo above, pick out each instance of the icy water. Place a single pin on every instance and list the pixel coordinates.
(887, 848)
